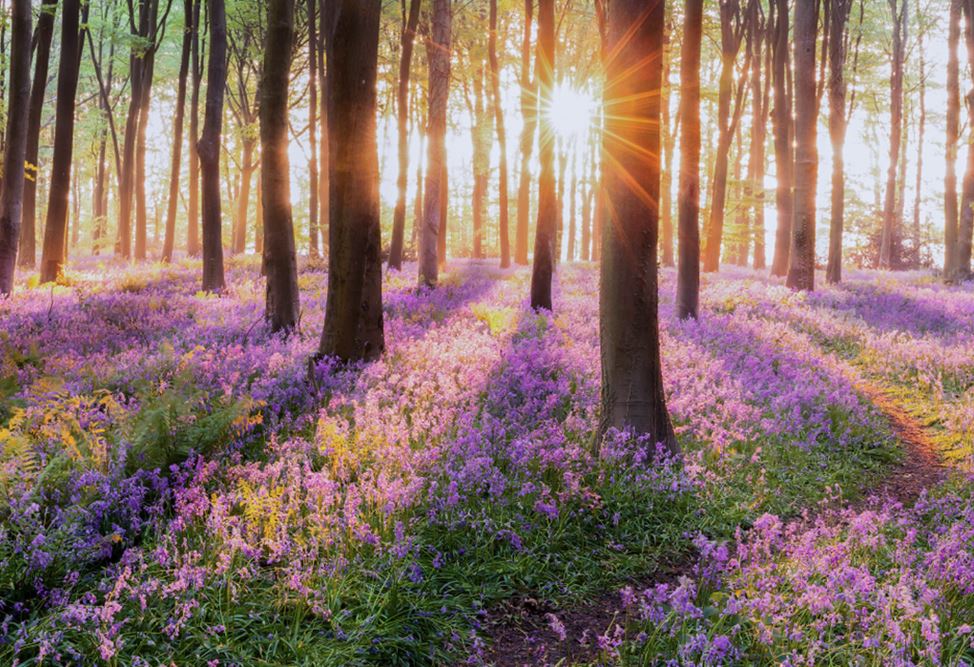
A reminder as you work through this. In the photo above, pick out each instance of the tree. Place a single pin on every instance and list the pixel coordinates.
(15, 148)
(353, 328)
(731, 36)
(545, 232)
(55, 227)
(891, 223)
(193, 198)
(438, 50)
(801, 271)
(529, 105)
(280, 259)
(503, 224)
(962, 267)
(760, 104)
(953, 133)
(177, 142)
(42, 57)
(784, 154)
(402, 117)
(688, 276)
(209, 149)
(632, 381)
(314, 203)
(838, 14)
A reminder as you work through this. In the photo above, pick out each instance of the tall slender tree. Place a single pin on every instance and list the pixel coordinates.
(688, 272)
(438, 50)
(632, 380)
(529, 104)
(760, 88)
(729, 101)
(353, 313)
(951, 213)
(280, 258)
(54, 254)
(784, 153)
(42, 56)
(15, 143)
(838, 14)
(801, 270)
(193, 171)
(177, 141)
(209, 149)
(406, 39)
(503, 196)
(891, 237)
(965, 230)
(545, 232)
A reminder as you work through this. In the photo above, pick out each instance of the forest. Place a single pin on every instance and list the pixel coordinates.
(486, 332)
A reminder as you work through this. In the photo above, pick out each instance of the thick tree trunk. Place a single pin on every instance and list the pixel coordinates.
(529, 114)
(353, 314)
(953, 133)
(54, 254)
(966, 223)
(632, 382)
(838, 28)
(688, 272)
(280, 258)
(402, 117)
(42, 58)
(546, 231)
(209, 149)
(438, 55)
(177, 142)
(192, 205)
(801, 271)
(503, 196)
(784, 154)
(891, 237)
(148, 66)
(15, 143)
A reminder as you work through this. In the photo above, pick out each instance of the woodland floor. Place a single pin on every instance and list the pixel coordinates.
(179, 485)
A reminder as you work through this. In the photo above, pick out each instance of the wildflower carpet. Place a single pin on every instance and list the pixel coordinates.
(181, 486)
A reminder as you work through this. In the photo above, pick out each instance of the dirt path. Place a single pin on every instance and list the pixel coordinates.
(523, 635)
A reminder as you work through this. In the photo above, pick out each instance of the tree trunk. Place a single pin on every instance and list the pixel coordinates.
(784, 154)
(921, 129)
(54, 254)
(730, 42)
(688, 272)
(314, 205)
(669, 141)
(323, 176)
(438, 55)
(280, 258)
(42, 58)
(402, 117)
(801, 271)
(632, 382)
(545, 233)
(247, 167)
(177, 142)
(15, 144)
(192, 206)
(151, 7)
(209, 149)
(953, 133)
(838, 29)
(482, 130)
(353, 314)
(572, 206)
(529, 114)
(891, 228)
(503, 220)
(759, 121)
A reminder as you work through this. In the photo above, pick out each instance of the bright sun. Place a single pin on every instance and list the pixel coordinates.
(572, 111)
